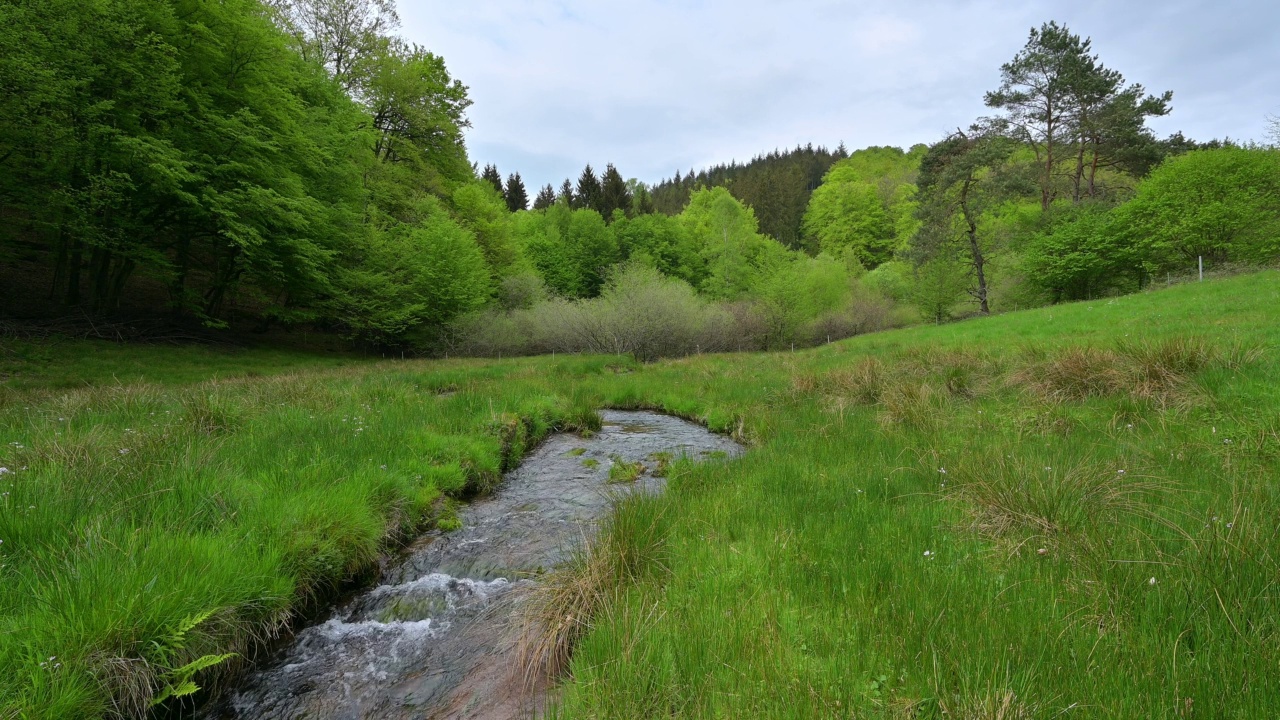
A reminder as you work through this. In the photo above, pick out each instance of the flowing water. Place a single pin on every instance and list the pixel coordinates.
(431, 640)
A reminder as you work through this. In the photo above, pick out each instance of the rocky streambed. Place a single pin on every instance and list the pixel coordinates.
(432, 639)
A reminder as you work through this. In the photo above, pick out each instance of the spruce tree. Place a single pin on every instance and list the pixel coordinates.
(546, 198)
(589, 194)
(517, 198)
(614, 194)
(566, 194)
(493, 177)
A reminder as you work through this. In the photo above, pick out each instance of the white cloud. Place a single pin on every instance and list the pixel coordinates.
(657, 86)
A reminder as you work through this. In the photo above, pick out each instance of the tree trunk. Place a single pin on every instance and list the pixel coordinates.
(73, 273)
(975, 251)
(119, 277)
(1078, 177)
(178, 288)
(1093, 170)
(225, 275)
(60, 264)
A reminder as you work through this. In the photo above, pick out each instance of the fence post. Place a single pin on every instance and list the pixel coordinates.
(1201, 257)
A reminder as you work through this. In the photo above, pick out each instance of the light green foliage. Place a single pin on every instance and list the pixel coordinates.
(662, 242)
(198, 149)
(798, 290)
(865, 205)
(621, 471)
(573, 250)
(413, 277)
(725, 233)
(1081, 254)
(481, 210)
(1221, 204)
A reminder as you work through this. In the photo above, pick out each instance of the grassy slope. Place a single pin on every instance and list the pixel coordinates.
(797, 583)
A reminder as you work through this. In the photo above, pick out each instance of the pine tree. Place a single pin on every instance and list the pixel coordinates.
(589, 193)
(517, 198)
(546, 198)
(566, 194)
(493, 177)
(614, 194)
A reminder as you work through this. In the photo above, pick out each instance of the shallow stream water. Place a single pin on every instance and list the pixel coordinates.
(431, 640)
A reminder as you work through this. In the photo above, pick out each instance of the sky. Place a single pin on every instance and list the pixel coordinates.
(659, 86)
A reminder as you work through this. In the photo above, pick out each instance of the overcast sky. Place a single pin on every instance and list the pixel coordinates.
(658, 86)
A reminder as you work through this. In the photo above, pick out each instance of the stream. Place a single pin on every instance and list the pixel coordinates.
(431, 640)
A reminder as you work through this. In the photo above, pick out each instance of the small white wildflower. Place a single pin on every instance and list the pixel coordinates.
(928, 553)
(942, 470)
(1119, 472)
(1043, 551)
(125, 451)
(384, 467)
(1152, 581)
(5, 471)
(1229, 525)
(1226, 441)
(1129, 426)
(1047, 469)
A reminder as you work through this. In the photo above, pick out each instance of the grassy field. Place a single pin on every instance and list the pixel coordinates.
(1069, 512)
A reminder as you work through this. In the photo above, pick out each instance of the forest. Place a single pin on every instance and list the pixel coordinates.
(288, 165)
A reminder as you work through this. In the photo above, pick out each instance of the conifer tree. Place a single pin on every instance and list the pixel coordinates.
(493, 177)
(589, 193)
(546, 198)
(614, 194)
(566, 194)
(517, 197)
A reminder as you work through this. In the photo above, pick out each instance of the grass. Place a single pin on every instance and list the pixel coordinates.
(621, 471)
(1066, 511)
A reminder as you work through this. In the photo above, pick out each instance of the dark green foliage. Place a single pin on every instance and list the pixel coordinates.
(589, 194)
(960, 178)
(493, 177)
(614, 193)
(516, 196)
(566, 194)
(776, 186)
(546, 198)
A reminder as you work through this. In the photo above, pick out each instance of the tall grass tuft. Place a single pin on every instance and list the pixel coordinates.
(630, 545)
(1014, 495)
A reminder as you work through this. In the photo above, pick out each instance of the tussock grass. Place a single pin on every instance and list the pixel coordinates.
(1007, 495)
(630, 545)
(876, 554)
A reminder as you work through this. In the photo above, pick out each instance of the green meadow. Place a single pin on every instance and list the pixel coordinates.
(1063, 512)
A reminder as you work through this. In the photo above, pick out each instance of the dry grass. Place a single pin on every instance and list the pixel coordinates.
(1159, 372)
(561, 608)
(1008, 496)
(1002, 705)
